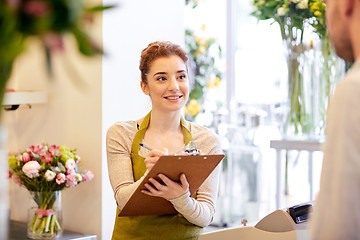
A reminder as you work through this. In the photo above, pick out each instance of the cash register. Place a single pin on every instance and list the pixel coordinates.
(282, 224)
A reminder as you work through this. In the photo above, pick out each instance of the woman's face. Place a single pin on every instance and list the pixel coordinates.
(167, 83)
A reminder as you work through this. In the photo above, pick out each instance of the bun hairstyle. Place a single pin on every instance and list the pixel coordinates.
(156, 50)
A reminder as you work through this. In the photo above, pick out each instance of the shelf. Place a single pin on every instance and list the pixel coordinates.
(18, 230)
(25, 97)
(306, 145)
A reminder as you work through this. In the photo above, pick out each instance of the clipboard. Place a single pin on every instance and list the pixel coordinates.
(196, 169)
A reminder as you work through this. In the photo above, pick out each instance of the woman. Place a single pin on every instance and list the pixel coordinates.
(164, 77)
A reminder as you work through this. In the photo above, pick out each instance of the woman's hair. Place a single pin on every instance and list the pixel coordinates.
(156, 50)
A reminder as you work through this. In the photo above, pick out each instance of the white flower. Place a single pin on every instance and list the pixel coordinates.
(281, 11)
(31, 169)
(79, 177)
(303, 4)
(50, 175)
(70, 164)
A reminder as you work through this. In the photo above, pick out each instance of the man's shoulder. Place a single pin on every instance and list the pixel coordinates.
(352, 77)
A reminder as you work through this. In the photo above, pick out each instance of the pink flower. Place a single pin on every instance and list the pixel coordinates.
(17, 179)
(44, 150)
(70, 164)
(71, 180)
(55, 150)
(31, 169)
(53, 41)
(25, 157)
(88, 176)
(36, 8)
(47, 158)
(60, 178)
(70, 171)
(13, 3)
(36, 149)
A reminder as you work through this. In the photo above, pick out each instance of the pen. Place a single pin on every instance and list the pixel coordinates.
(146, 146)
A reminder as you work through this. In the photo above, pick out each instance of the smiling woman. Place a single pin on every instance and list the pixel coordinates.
(167, 83)
(164, 77)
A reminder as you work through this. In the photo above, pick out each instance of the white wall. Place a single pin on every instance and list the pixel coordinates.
(72, 116)
(126, 31)
(78, 115)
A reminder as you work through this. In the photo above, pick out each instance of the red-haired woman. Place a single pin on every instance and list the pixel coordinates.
(164, 77)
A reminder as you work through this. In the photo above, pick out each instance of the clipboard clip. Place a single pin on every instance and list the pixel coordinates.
(191, 149)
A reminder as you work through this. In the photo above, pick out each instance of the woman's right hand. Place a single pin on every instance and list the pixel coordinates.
(153, 157)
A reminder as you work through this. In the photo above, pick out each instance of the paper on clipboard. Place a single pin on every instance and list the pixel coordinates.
(196, 169)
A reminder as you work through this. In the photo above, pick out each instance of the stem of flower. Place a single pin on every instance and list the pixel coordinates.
(52, 224)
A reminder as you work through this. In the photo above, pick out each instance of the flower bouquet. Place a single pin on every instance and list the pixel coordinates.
(46, 170)
(295, 18)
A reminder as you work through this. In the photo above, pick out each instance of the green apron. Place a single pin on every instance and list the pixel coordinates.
(167, 227)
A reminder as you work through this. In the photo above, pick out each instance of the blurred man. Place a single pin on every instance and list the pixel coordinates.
(337, 209)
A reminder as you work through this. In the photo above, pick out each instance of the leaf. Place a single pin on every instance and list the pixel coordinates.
(48, 61)
(36, 156)
(61, 167)
(271, 3)
(196, 93)
(85, 44)
(55, 169)
(99, 8)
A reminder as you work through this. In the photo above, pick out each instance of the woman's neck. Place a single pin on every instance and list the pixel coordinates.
(163, 122)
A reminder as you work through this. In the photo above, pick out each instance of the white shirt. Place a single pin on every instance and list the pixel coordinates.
(337, 210)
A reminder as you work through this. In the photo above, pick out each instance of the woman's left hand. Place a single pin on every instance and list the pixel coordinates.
(169, 190)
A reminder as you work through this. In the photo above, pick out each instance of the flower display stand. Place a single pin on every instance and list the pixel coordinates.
(18, 231)
(309, 145)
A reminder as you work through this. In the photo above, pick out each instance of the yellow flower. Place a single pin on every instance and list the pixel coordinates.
(201, 50)
(217, 81)
(206, 43)
(198, 40)
(203, 27)
(193, 107)
(317, 13)
(212, 83)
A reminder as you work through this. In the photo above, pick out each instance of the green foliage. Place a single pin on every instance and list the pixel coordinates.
(203, 53)
(45, 168)
(66, 153)
(293, 16)
(199, 50)
(294, 13)
(193, 3)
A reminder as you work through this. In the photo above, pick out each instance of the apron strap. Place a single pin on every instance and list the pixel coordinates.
(138, 164)
(186, 127)
(139, 136)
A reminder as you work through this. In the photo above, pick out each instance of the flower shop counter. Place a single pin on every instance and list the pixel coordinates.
(18, 230)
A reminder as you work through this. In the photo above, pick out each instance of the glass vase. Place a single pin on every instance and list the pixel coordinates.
(312, 76)
(44, 215)
(297, 119)
(327, 70)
